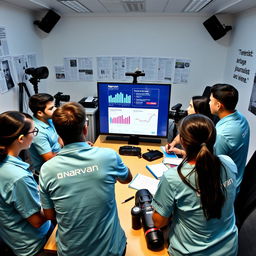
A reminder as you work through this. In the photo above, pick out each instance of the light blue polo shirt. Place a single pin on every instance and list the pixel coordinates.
(233, 135)
(190, 232)
(19, 199)
(45, 141)
(79, 183)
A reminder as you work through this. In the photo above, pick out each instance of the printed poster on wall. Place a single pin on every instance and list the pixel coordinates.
(244, 63)
(4, 49)
(252, 103)
(182, 69)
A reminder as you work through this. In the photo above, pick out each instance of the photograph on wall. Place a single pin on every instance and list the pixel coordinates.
(6, 71)
(252, 103)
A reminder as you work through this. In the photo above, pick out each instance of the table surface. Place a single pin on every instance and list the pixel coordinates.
(136, 242)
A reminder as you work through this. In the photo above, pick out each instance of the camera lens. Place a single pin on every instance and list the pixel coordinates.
(136, 223)
(155, 239)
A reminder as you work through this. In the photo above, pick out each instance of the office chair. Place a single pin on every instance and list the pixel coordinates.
(246, 236)
(246, 199)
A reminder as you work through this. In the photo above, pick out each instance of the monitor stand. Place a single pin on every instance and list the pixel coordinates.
(133, 139)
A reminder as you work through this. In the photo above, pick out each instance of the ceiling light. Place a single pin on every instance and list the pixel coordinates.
(196, 5)
(40, 3)
(75, 5)
(228, 6)
(134, 5)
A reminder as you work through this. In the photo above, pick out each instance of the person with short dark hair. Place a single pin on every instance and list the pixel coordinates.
(23, 227)
(197, 105)
(77, 188)
(47, 144)
(198, 195)
(233, 130)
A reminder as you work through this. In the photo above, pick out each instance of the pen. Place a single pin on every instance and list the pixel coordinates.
(128, 199)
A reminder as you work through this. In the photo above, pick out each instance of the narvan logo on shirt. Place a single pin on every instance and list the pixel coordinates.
(76, 172)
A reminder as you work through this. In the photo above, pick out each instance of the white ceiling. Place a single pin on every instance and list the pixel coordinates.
(115, 7)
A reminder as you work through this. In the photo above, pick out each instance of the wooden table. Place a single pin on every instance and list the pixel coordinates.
(136, 242)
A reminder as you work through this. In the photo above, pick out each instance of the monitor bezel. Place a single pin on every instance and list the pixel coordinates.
(136, 135)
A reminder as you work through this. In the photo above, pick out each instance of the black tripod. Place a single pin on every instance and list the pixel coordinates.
(22, 87)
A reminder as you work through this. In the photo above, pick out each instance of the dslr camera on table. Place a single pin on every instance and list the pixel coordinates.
(142, 214)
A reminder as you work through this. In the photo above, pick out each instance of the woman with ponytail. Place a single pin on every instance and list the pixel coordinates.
(198, 195)
(22, 225)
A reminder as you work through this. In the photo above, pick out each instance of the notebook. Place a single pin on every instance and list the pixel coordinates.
(157, 170)
(172, 155)
(172, 161)
(144, 182)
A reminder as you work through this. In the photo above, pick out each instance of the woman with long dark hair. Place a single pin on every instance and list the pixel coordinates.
(198, 195)
(22, 225)
(197, 105)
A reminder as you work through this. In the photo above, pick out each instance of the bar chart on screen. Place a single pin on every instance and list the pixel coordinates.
(133, 120)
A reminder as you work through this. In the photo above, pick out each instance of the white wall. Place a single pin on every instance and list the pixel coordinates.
(22, 39)
(176, 36)
(243, 37)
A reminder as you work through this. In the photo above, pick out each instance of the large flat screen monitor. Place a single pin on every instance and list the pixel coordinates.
(133, 111)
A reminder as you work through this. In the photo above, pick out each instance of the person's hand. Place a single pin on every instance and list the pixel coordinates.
(90, 143)
(169, 146)
(178, 151)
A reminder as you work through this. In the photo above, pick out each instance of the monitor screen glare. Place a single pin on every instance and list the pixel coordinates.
(134, 109)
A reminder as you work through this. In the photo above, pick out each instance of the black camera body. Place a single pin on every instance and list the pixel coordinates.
(142, 216)
(60, 97)
(177, 113)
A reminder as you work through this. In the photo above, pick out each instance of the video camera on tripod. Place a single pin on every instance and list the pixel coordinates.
(177, 113)
(60, 97)
(142, 216)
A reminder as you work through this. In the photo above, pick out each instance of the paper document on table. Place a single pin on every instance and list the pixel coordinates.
(172, 160)
(89, 99)
(157, 169)
(144, 182)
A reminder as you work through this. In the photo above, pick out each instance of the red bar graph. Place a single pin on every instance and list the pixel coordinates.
(120, 120)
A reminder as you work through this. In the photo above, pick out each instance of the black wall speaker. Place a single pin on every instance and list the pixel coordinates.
(48, 21)
(215, 28)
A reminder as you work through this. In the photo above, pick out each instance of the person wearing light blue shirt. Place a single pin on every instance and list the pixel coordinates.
(22, 224)
(77, 188)
(47, 144)
(233, 132)
(197, 197)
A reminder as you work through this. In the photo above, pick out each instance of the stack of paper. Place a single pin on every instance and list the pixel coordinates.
(172, 161)
(144, 182)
